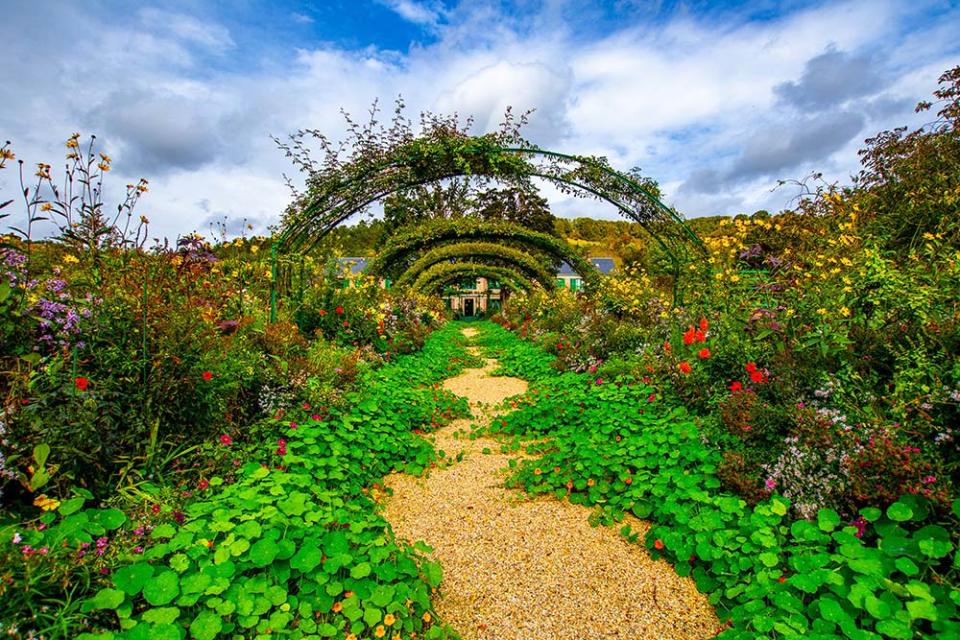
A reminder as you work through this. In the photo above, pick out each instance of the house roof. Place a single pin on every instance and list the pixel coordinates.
(356, 264)
(603, 265)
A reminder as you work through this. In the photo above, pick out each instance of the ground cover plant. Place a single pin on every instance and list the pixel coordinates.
(291, 545)
(621, 447)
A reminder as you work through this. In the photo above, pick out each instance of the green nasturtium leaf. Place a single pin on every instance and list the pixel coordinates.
(827, 519)
(263, 552)
(206, 626)
(162, 589)
(899, 512)
(105, 599)
(132, 578)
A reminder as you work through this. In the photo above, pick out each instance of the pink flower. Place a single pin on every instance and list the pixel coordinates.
(293, 425)
(203, 484)
(861, 526)
(651, 397)
(770, 484)
(226, 440)
(929, 480)
(315, 416)
(599, 380)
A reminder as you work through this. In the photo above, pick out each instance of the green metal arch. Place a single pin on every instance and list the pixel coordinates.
(416, 163)
(497, 255)
(440, 274)
(398, 254)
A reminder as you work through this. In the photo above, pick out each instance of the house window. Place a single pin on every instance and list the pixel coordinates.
(493, 284)
(561, 283)
(574, 284)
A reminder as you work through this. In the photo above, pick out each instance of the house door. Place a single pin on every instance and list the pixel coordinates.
(468, 307)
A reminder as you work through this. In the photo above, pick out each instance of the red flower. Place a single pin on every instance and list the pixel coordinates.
(226, 440)
(782, 579)
(346, 324)
(323, 312)
(685, 368)
(339, 311)
(704, 325)
(81, 383)
(628, 480)
(651, 397)
(689, 336)
(666, 347)
(700, 336)
(203, 484)
(757, 376)
(751, 367)
(736, 386)
(206, 375)
(704, 353)
(658, 544)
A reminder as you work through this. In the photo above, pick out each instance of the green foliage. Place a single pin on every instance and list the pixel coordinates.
(495, 254)
(277, 548)
(619, 447)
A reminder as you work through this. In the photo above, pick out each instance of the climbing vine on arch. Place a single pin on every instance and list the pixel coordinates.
(491, 253)
(379, 160)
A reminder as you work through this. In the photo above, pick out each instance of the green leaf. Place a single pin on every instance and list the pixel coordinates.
(434, 573)
(895, 629)
(206, 626)
(165, 530)
(326, 630)
(162, 589)
(361, 570)
(162, 615)
(71, 506)
(827, 519)
(132, 578)
(263, 552)
(40, 454)
(105, 599)
(922, 609)
(307, 558)
(111, 518)
(899, 512)
(372, 616)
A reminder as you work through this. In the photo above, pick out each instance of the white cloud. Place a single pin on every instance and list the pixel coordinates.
(687, 97)
(412, 11)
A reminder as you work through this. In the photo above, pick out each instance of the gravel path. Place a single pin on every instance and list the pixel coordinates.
(520, 569)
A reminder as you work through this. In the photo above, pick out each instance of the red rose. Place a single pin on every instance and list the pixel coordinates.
(206, 375)
(81, 383)
(685, 368)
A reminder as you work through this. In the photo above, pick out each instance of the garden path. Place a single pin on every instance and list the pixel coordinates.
(520, 569)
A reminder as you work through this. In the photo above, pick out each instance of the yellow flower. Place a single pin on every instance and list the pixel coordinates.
(254, 248)
(70, 259)
(845, 312)
(103, 166)
(379, 632)
(352, 636)
(46, 206)
(144, 220)
(397, 637)
(6, 154)
(426, 616)
(389, 619)
(45, 503)
(337, 607)
(822, 311)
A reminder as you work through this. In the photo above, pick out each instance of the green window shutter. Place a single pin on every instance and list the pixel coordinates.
(386, 283)
(560, 282)
(574, 284)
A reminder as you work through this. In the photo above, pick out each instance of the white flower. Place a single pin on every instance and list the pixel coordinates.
(17, 538)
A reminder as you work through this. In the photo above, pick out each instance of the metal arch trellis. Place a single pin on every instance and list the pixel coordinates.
(414, 164)
(496, 255)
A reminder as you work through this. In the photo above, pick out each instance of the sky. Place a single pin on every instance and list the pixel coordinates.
(717, 101)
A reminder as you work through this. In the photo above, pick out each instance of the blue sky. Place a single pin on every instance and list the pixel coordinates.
(715, 100)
